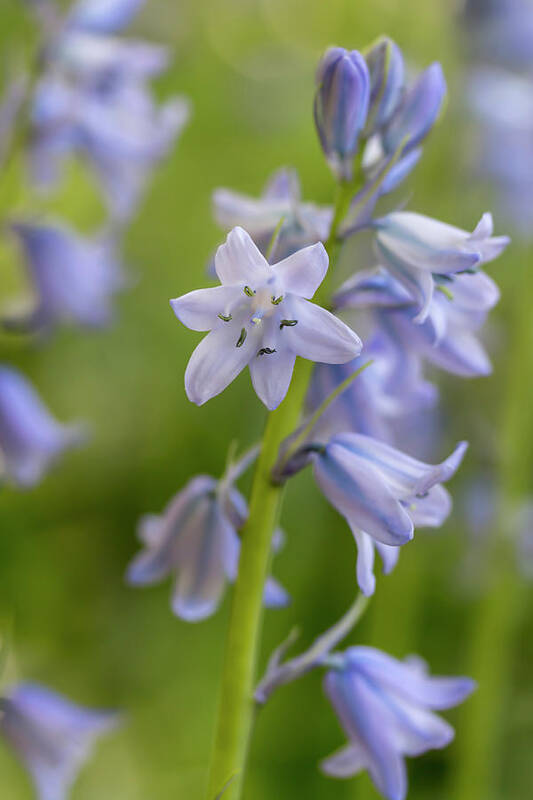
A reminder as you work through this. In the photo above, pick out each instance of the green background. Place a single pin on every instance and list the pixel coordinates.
(248, 68)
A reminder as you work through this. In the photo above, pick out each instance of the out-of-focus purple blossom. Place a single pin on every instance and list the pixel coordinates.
(196, 539)
(501, 31)
(385, 707)
(341, 107)
(387, 77)
(30, 438)
(51, 736)
(448, 336)
(260, 316)
(103, 16)
(74, 278)
(383, 494)
(303, 223)
(415, 248)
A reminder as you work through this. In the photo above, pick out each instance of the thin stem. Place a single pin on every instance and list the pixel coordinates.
(236, 704)
(274, 239)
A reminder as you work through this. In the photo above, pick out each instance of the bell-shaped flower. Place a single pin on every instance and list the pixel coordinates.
(52, 736)
(74, 278)
(196, 539)
(414, 248)
(341, 107)
(386, 708)
(302, 223)
(260, 317)
(383, 494)
(387, 76)
(30, 438)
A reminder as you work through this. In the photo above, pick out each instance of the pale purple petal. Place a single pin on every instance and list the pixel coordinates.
(271, 375)
(199, 310)
(346, 762)
(303, 271)
(103, 16)
(365, 562)
(238, 260)
(431, 510)
(320, 335)
(275, 596)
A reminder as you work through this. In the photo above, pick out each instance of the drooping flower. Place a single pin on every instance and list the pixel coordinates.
(341, 106)
(74, 278)
(414, 248)
(386, 707)
(261, 317)
(383, 494)
(303, 223)
(196, 539)
(52, 736)
(30, 438)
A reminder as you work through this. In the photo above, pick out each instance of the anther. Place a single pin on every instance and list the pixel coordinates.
(224, 318)
(288, 323)
(248, 292)
(276, 300)
(241, 339)
(266, 351)
(445, 291)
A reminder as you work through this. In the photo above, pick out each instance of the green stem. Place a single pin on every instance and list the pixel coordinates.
(236, 704)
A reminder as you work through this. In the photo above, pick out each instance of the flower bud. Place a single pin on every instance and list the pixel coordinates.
(386, 68)
(341, 106)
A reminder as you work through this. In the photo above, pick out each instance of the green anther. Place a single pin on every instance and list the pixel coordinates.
(288, 323)
(266, 351)
(224, 318)
(276, 300)
(241, 339)
(445, 291)
(249, 292)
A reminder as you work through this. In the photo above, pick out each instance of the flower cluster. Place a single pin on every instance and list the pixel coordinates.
(89, 96)
(422, 300)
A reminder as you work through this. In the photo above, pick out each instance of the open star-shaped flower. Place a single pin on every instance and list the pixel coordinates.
(261, 317)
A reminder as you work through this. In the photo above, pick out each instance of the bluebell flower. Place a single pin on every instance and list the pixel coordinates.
(341, 107)
(260, 317)
(51, 736)
(383, 494)
(74, 278)
(387, 82)
(501, 31)
(448, 337)
(103, 16)
(385, 707)
(415, 248)
(30, 438)
(303, 223)
(196, 539)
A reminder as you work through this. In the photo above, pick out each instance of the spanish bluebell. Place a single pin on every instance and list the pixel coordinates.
(30, 438)
(196, 539)
(52, 736)
(385, 707)
(261, 317)
(74, 278)
(341, 106)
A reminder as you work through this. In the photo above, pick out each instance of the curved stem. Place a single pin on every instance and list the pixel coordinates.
(236, 704)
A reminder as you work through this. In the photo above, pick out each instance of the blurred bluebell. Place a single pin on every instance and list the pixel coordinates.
(51, 736)
(385, 707)
(196, 539)
(103, 16)
(501, 31)
(383, 494)
(341, 106)
(414, 247)
(260, 317)
(30, 438)
(303, 223)
(74, 278)
(387, 77)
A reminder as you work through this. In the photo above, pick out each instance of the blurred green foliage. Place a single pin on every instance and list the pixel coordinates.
(248, 67)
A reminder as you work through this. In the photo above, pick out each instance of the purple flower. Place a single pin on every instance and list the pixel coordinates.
(52, 736)
(30, 438)
(74, 278)
(386, 707)
(387, 74)
(103, 16)
(382, 493)
(414, 248)
(303, 223)
(341, 106)
(261, 317)
(196, 538)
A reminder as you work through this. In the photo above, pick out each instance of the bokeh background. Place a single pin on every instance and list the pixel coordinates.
(248, 67)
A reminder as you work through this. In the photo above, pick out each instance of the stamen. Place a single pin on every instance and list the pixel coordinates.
(241, 339)
(276, 300)
(266, 351)
(445, 291)
(224, 318)
(288, 323)
(248, 292)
